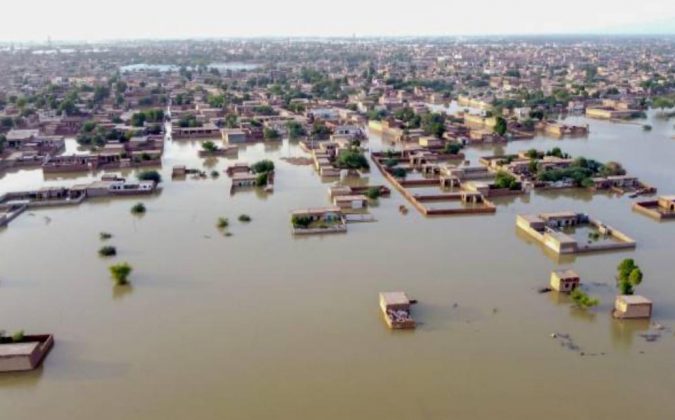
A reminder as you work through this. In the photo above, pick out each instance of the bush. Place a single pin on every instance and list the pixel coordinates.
(587, 183)
(500, 127)
(390, 162)
(557, 153)
(244, 218)
(262, 166)
(352, 159)
(506, 180)
(18, 336)
(261, 179)
(150, 176)
(209, 146)
(215, 174)
(533, 154)
(107, 251)
(452, 148)
(582, 299)
(138, 208)
(104, 236)
(222, 223)
(271, 134)
(373, 193)
(120, 273)
(295, 129)
(399, 172)
(301, 221)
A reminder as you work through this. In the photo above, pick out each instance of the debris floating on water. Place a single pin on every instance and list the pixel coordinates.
(567, 342)
(651, 337)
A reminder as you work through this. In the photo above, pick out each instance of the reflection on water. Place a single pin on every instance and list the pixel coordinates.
(264, 325)
(120, 291)
(625, 332)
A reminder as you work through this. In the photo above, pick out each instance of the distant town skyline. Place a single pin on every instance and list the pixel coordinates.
(127, 19)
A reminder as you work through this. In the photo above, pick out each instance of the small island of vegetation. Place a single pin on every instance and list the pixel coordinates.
(120, 273)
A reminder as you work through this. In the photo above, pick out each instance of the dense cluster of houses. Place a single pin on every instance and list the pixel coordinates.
(324, 99)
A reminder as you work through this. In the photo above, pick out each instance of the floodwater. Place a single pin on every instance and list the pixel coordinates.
(261, 325)
(171, 67)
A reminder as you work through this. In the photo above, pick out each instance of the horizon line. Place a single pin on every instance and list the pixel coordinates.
(336, 37)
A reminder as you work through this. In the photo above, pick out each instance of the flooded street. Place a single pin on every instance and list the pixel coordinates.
(212, 326)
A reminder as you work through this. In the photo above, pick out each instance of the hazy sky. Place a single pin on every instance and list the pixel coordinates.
(114, 19)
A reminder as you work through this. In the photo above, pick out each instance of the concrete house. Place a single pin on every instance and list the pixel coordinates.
(395, 307)
(244, 180)
(234, 136)
(632, 307)
(659, 209)
(564, 280)
(351, 202)
(25, 354)
(321, 220)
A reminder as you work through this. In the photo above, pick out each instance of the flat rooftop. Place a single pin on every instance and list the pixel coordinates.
(18, 349)
(635, 300)
(566, 273)
(395, 298)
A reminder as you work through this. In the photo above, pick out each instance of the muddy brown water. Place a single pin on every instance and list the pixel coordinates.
(261, 325)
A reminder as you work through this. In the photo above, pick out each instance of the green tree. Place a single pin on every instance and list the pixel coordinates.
(209, 146)
(320, 130)
(100, 94)
(352, 158)
(18, 336)
(6, 123)
(433, 124)
(107, 251)
(222, 223)
(373, 193)
(533, 166)
(452, 148)
(138, 119)
(295, 129)
(301, 221)
(216, 101)
(262, 166)
(231, 121)
(262, 179)
(504, 179)
(151, 175)
(138, 208)
(399, 172)
(629, 276)
(533, 154)
(500, 126)
(120, 273)
(271, 134)
(662, 103)
(635, 277)
(582, 299)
